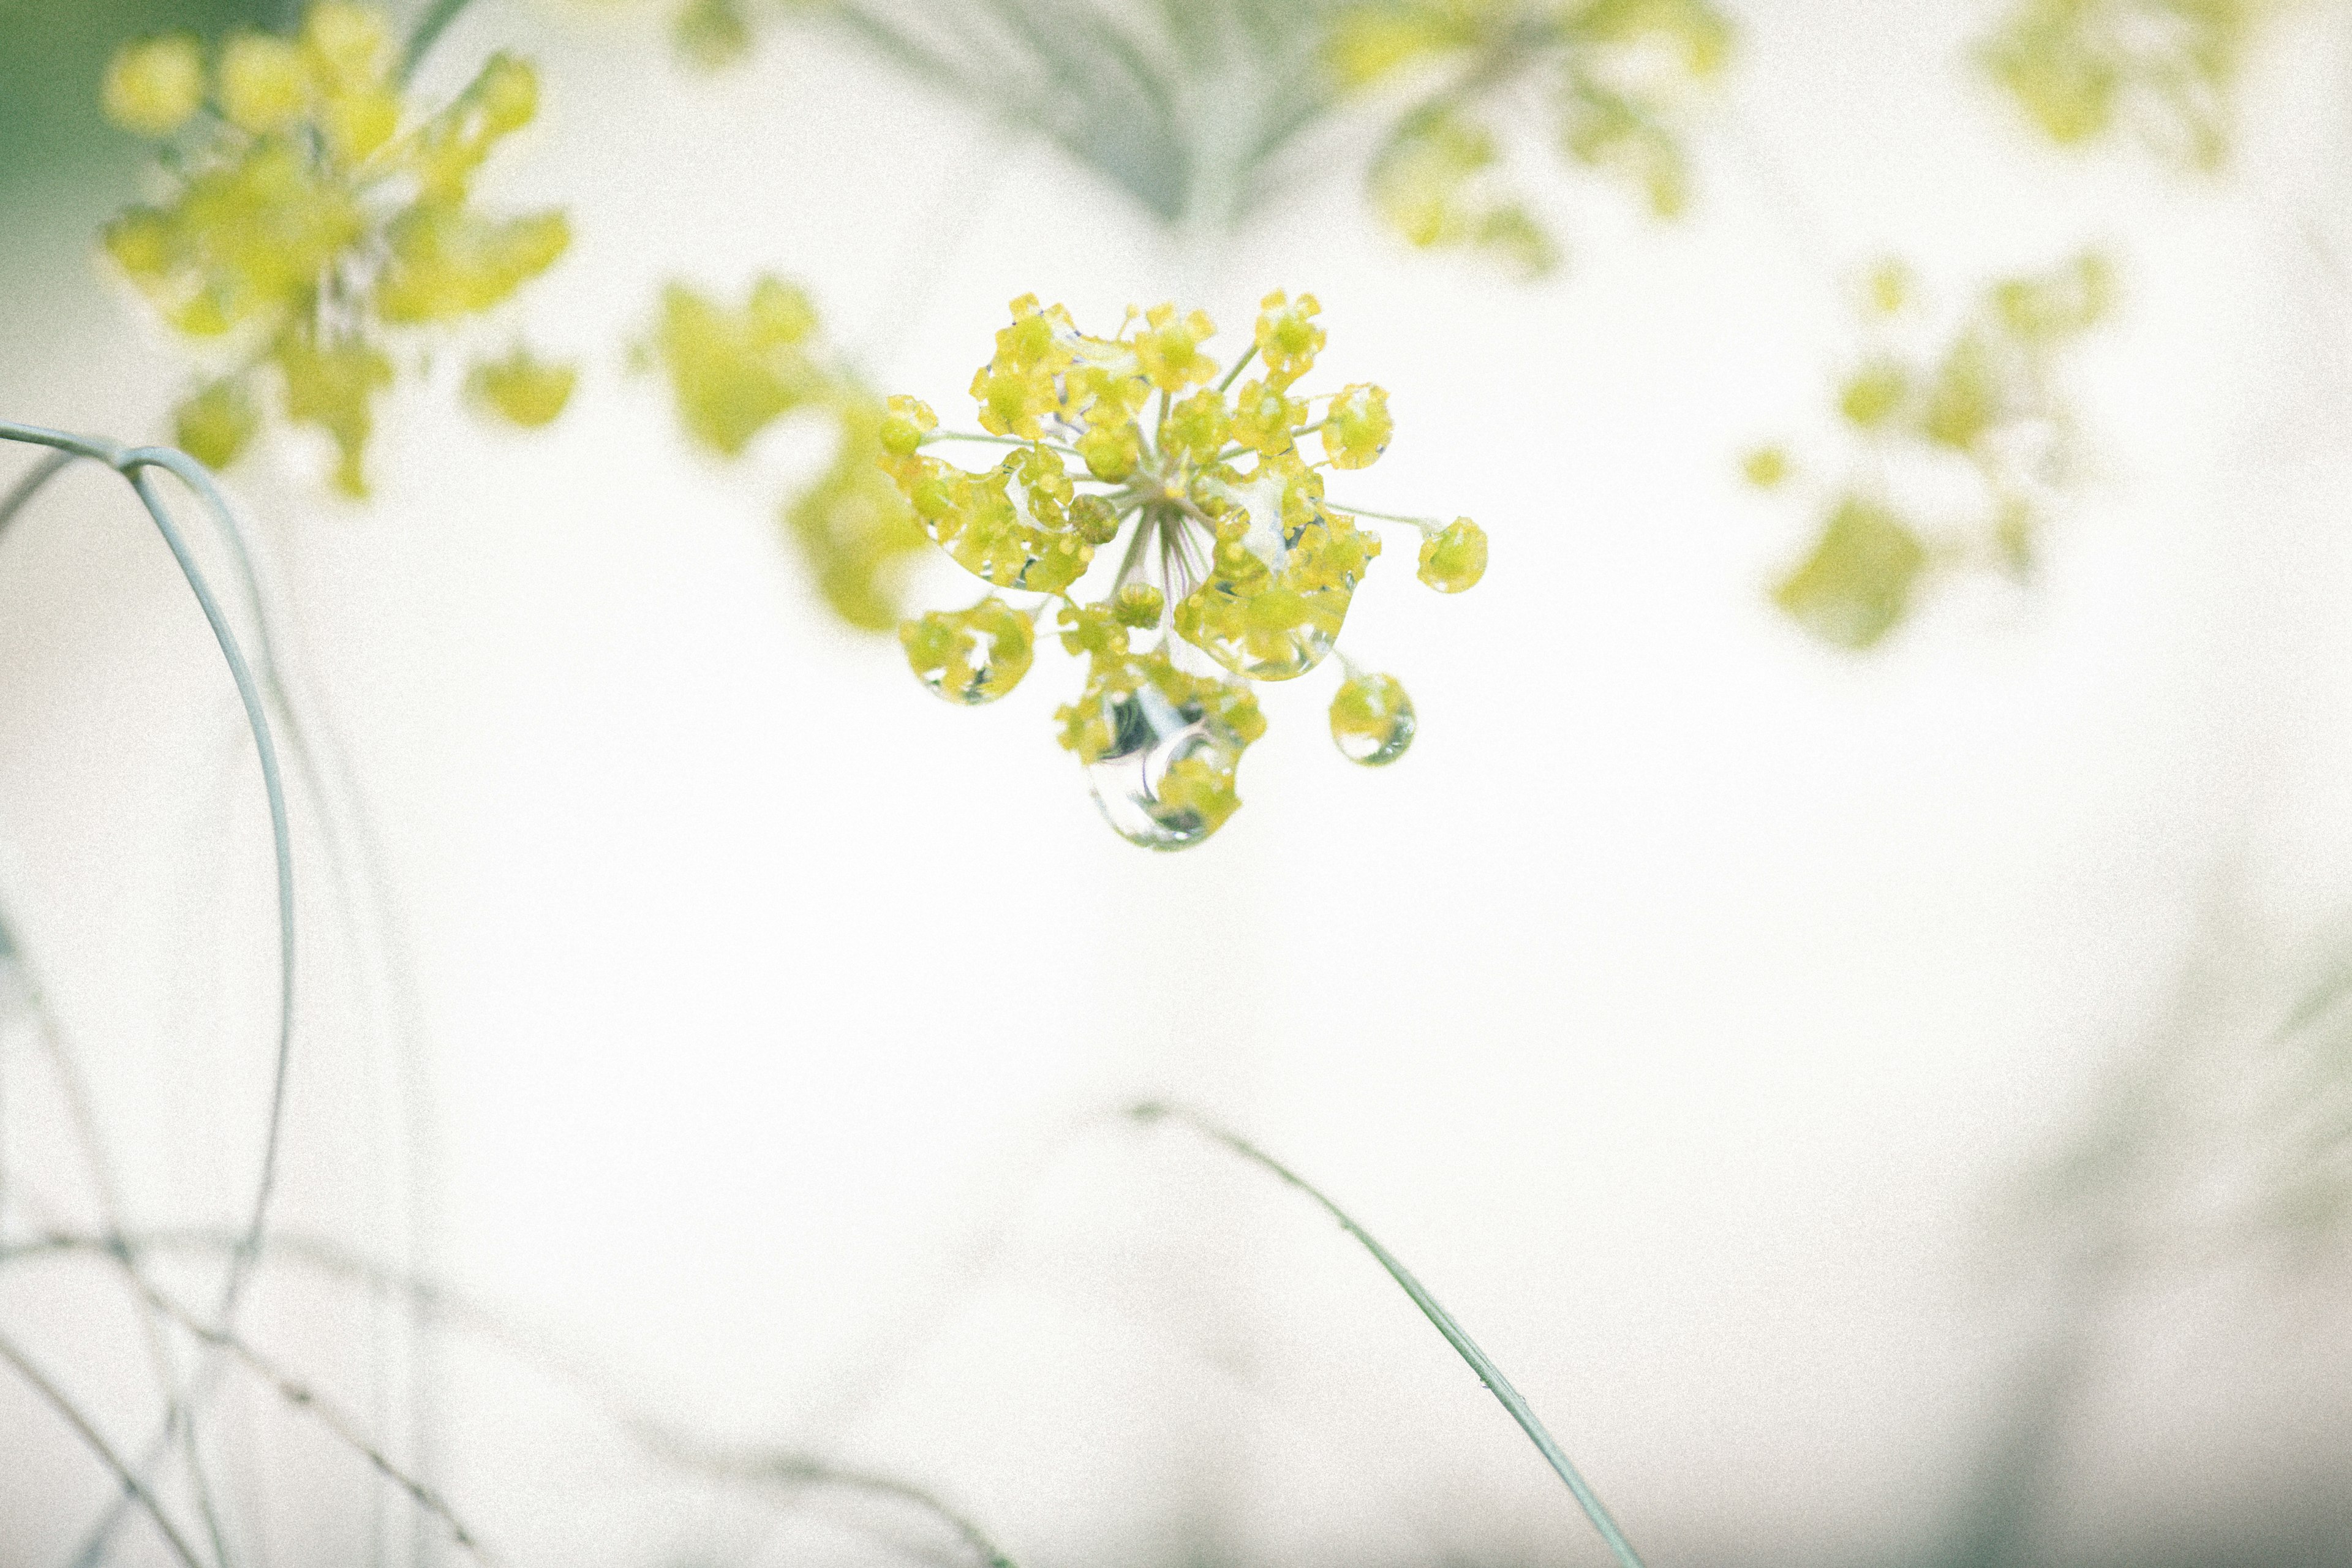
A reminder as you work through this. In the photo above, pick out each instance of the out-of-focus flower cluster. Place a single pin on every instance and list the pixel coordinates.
(1958, 452)
(736, 372)
(2162, 71)
(709, 33)
(1622, 75)
(310, 212)
(1236, 567)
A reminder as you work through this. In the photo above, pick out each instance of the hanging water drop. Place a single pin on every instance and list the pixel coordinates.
(1161, 748)
(1371, 720)
(1275, 601)
(1168, 782)
(971, 657)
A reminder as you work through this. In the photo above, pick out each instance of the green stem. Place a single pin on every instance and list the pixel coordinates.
(1134, 556)
(1423, 523)
(426, 33)
(1488, 1373)
(1234, 374)
(996, 440)
(133, 1487)
(52, 463)
(135, 465)
(431, 1301)
(804, 1470)
(301, 1396)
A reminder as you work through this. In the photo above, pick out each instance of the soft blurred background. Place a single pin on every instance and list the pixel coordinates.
(1883, 1105)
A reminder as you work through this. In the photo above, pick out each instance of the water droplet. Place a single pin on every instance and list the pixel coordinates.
(1168, 783)
(1371, 720)
(1161, 749)
(1272, 611)
(1011, 526)
(974, 656)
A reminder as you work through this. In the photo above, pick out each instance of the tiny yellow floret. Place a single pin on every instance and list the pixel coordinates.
(521, 388)
(264, 87)
(1357, 429)
(155, 85)
(1455, 557)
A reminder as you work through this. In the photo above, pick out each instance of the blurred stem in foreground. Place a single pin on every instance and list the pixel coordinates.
(1182, 104)
(430, 24)
(428, 1300)
(1489, 1374)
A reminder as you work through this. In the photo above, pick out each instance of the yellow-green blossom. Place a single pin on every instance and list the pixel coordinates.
(1624, 75)
(213, 424)
(1236, 566)
(1961, 447)
(1855, 584)
(855, 531)
(1766, 467)
(2162, 71)
(1454, 558)
(1357, 428)
(312, 212)
(734, 371)
(521, 388)
(711, 34)
(155, 86)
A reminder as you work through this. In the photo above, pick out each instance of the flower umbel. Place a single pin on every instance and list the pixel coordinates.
(1623, 73)
(1237, 567)
(2163, 71)
(1961, 451)
(312, 213)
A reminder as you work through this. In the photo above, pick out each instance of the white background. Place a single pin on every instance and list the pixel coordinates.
(1685, 1007)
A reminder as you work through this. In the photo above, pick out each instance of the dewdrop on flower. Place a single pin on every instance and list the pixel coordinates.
(1233, 565)
(313, 214)
(974, 656)
(1371, 720)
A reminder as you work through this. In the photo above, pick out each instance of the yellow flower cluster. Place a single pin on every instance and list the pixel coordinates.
(1237, 561)
(2160, 71)
(710, 35)
(309, 210)
(1977, 431)
(1625, 74)
(733, 373)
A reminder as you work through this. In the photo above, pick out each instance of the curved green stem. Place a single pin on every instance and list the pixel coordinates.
(804, 1470)
(1488, 1373)
(51, 465)
(133, 1487)
(134, 464)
